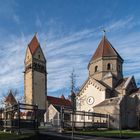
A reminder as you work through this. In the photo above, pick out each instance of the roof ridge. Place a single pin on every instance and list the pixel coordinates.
(57, 97)
(103, 45)
(58, 101)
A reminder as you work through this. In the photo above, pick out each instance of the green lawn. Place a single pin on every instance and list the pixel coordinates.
(13, 136)
(111, 133)
(101, 133)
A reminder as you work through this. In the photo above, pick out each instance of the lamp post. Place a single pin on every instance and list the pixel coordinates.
(72, 134)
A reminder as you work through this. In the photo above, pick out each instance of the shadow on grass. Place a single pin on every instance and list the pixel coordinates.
(43, 137)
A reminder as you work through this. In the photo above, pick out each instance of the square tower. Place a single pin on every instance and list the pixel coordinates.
(35, 75)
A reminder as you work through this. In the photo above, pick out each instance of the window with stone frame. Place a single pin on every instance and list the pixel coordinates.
(96, 68)
(108, 66)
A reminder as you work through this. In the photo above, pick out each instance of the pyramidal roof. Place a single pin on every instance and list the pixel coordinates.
(10, 98)
(105, 49)
(34, 44)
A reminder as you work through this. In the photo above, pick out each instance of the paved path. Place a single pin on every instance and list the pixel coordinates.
(80, 137)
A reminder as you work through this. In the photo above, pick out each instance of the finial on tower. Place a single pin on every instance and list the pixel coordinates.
(104, 32)
(35, 33)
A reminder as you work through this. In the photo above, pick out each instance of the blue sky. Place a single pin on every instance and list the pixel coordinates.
(69, 32)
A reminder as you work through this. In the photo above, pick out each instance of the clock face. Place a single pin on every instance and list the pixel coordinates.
(90, 100)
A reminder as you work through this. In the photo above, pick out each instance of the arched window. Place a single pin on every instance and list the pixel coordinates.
(108, 66)
(39, 56)
(96, 68)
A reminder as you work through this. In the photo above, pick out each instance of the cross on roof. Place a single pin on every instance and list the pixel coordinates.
(104, 31)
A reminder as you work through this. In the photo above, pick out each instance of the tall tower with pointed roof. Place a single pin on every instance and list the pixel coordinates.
(35, 74)
(106, 63)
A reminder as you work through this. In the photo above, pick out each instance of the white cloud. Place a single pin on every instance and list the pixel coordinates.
(65, 53)
(16, 18)
(119, 24)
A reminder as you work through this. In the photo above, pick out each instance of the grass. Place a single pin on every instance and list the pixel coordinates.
(100, 133)
(111, 133)
(13, 136)
(8, 136)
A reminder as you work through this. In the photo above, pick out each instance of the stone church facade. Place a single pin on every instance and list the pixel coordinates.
(107, 91)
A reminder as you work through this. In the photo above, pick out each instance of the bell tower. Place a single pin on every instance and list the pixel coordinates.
(106, 63)
(35, 75)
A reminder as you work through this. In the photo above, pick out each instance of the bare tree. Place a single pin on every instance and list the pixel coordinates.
(73, 87)
(73, 80)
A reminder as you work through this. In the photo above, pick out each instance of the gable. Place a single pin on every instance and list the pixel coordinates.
(133, 82)
(92, 90)
(28, 55)
(39, 54)
(52, 108)
(93, 82)
(126, 85)
(131, 85)
(52, 112)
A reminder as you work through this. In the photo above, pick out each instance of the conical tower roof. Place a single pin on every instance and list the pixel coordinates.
(105, 49)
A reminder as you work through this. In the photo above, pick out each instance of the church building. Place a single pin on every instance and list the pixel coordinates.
(107, 91)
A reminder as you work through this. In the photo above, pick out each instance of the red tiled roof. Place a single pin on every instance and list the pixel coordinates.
(105, 49)
(34, 44)
(10, 98)
(58, 101)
